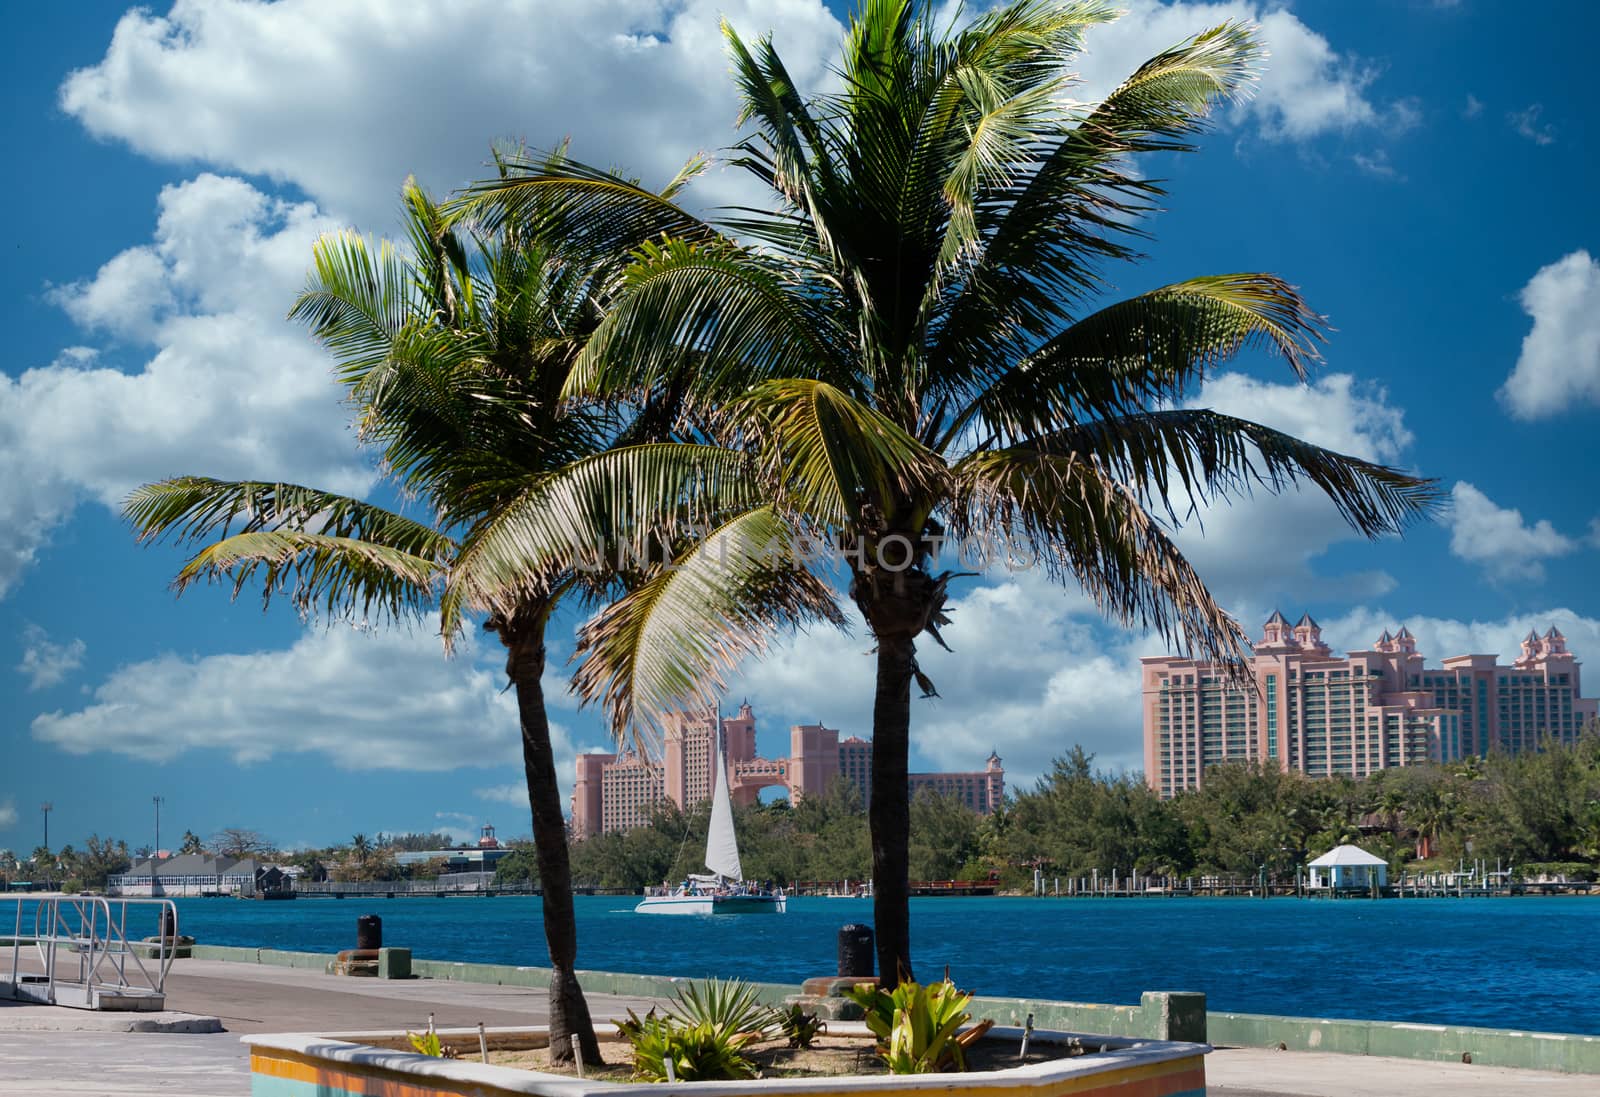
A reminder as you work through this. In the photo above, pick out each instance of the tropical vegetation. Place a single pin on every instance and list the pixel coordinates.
(1532, 813)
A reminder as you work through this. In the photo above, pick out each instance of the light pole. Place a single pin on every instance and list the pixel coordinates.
(156, 853)
(47, 807)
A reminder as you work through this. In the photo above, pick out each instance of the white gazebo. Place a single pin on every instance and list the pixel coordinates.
(1348, 866)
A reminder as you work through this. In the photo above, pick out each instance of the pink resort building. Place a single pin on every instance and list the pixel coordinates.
(619, 791)
(1321, 714)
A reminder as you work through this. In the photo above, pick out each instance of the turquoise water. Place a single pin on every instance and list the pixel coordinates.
(1504, 963)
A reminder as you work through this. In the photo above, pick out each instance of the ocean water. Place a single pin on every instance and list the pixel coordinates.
(1505, 963)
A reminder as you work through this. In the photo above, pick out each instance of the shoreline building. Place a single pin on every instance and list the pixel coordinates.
(1316, 713)
(615, 792)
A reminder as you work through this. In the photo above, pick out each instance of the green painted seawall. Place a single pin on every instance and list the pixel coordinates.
(1160, 1015)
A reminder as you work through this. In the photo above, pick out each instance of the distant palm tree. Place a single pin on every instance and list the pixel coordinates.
(455, 354)
(900, 339)
(360, 848)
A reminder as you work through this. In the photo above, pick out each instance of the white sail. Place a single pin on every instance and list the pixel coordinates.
(722, 849)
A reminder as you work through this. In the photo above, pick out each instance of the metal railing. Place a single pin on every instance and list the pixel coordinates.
(80, 946)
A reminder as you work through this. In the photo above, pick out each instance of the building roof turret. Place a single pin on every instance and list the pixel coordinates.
(1306, 621)
(1554, 634)
(1277, 618)
(1385, 638)
(1403, 634)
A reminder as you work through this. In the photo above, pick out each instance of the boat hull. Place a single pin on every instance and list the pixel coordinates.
(711, 904)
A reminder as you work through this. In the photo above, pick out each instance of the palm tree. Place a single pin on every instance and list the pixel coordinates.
(904, 345)
(455, 354)
(360, 848)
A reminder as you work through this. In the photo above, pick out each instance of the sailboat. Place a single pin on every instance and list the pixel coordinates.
(724, 890)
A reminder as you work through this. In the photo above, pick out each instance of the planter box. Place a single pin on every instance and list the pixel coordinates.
(370, 1064)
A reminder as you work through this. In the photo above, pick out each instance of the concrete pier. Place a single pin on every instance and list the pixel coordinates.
(45, 1051)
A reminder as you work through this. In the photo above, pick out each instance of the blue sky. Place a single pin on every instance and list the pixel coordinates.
(1420, 169)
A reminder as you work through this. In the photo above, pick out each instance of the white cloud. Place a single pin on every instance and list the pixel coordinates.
(129, 295)
(1378, 164)
(8, 813)
(1473, 108)
(1442, 637)
(45, 663)
(1306, 87)
(1526, 123)
(231, 389)
(401, 89)
(513, 794)
(386, 700)
(1560, 361)
(396, 89)
(1498, 539)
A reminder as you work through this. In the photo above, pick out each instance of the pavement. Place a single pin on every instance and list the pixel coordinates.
(46, 1050)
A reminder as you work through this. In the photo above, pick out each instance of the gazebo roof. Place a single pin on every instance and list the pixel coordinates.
(1347, 855)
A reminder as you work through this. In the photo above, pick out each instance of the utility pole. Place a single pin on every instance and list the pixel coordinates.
(156, 853)
(47, 807)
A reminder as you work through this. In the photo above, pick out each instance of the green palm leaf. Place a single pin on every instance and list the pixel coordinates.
(607, 515)
(672, 639)
(713, 313)
(342, 577)
(1071, 517)
(831, 456)
(1147, 349)
(1212, 456)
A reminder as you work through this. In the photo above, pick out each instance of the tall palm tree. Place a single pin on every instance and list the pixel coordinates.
(455, 353)
(904, 343)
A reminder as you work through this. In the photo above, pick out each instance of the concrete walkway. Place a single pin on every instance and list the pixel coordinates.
(48, 1051)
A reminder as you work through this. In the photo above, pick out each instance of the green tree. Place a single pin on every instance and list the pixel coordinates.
(520, 867)
(455, 352)
(191, 843)
(101, 857)
(944, 836)
(901, 345)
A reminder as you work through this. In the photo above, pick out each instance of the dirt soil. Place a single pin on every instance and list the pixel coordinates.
(827, 1055)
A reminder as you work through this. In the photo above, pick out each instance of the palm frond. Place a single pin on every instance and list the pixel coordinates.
(1146, 349)
(831, 457)
(1073, 519)
(341, 577)
(357, 300)
(671, 641)
(326, 553)
(713, 313)
(588, 210)
(1213, 456)
(606, 515)
(196, 508)
(1045, 237)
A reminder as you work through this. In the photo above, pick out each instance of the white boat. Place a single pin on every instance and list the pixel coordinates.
(724, 890)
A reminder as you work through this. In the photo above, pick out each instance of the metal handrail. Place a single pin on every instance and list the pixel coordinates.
(96, 930)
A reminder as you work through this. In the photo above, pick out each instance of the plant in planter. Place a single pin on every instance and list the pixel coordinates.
(428, 1043)
(698, 1051)
(799, 1027)
(703, 1034)
(728, 1005)
(917, 1025)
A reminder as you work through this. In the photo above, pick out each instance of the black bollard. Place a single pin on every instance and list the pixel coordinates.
(856, 954)
(369, 932)
(169, 923)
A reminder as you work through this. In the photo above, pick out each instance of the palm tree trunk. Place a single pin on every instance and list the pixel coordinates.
(569, 1012)
(889, 814)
